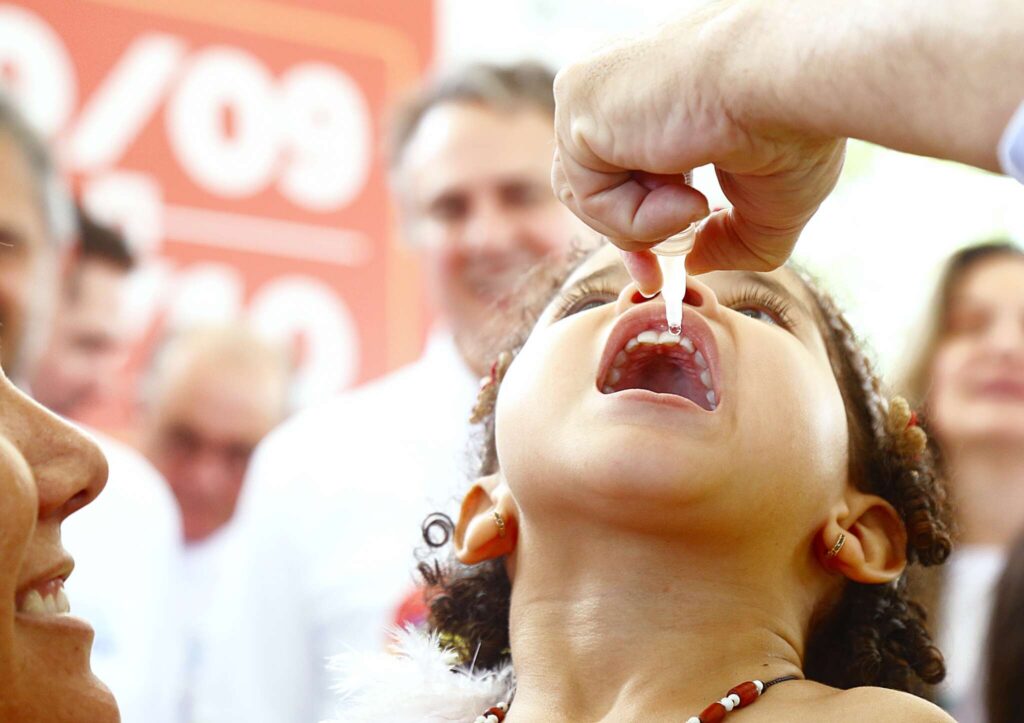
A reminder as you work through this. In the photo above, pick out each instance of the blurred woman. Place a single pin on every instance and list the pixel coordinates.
(969, 379)
(48, 470)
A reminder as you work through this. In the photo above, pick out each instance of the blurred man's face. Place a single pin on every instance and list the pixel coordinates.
(88, 340)
(202, 428)
(24, 250)
(476, 196)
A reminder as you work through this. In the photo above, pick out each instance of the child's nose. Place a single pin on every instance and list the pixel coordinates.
(698, 295)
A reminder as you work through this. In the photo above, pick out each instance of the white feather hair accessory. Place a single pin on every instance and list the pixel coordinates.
(416, 682)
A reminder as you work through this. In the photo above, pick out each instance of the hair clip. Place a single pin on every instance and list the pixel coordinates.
(901, 423)
(488, 394)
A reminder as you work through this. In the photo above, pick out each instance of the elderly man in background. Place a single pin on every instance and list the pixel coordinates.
(331, 512)
(126, 544)
(89, 336)
(213, 393)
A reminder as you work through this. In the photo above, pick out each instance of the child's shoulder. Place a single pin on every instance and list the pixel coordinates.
(857, 704)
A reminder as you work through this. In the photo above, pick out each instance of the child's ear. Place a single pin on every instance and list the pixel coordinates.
(873, 548)
(488, 522)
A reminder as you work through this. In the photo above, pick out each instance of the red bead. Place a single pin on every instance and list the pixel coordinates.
(714, 713)
(747, 693)
(913, 420)
(495, 712)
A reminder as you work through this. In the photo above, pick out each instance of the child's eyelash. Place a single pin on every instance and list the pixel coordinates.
(573, 299)
(758, 296)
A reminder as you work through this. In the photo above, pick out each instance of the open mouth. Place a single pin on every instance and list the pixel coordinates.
(46, 596)
(645, 355)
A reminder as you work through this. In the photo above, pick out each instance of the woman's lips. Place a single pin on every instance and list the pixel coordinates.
(641, 354)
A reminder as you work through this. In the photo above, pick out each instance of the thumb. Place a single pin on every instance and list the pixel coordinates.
(726, 240)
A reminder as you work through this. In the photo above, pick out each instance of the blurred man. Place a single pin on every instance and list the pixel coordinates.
(127, 543)
(331, 511)
(89, 335)
(212, 395)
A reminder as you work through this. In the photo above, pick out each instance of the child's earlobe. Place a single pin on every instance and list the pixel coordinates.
(867, 544)
(488, 522)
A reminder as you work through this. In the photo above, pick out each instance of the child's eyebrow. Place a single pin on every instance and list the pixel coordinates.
(778, 289)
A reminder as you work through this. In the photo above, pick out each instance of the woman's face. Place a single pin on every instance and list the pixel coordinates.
(48, 470)
(977, 390)
(739, 423)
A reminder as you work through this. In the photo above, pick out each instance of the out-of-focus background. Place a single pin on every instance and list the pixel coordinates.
(238, 145)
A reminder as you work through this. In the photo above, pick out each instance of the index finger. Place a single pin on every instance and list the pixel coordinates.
(624, 204)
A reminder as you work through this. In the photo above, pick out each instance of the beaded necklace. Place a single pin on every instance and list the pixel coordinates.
(739, 697)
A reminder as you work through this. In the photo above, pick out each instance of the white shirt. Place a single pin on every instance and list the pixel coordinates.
(127, 549)
(203, 567)
(323, 546)
(972, 573)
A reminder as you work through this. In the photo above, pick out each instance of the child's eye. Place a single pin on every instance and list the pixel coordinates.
(759, 314)
(761, 304)
(583, 299)
(588, 303)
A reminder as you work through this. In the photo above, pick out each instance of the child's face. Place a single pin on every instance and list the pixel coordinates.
(579, 427)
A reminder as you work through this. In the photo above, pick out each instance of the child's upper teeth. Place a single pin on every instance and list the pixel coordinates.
(665, 338)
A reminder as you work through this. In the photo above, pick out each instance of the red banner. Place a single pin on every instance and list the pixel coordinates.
(237, 142)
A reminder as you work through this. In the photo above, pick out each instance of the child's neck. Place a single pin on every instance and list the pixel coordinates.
(987, 484)
(626, 627)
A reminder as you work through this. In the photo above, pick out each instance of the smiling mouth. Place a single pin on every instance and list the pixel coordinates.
(47, 599)
(663, 363)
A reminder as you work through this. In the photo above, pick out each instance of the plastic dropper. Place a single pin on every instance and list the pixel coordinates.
(671, 255)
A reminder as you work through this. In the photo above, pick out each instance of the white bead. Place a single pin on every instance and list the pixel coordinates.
(760, 686)
(492, 718)
(503, 707)
(727, 704)
(480, 719)
(693, 719)
(735, 699)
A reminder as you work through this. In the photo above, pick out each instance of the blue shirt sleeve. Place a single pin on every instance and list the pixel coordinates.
(1011, 146)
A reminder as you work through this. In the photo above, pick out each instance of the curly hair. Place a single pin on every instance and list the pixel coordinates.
(867, 635)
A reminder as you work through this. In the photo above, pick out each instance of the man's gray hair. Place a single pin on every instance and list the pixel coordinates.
(51, 190)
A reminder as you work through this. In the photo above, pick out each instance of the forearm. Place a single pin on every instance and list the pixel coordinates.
(938, 78)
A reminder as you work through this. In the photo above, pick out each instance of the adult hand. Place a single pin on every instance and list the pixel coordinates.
(767, 91)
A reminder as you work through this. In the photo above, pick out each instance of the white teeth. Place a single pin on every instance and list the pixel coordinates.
(33, 604)
(651, 337)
